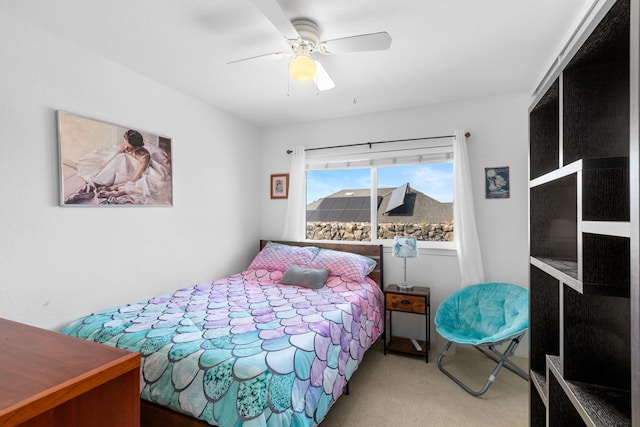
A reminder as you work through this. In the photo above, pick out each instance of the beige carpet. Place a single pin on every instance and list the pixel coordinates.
(403, 391)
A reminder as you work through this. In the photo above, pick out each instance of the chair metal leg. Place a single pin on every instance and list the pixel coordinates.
(501, 360)
(496, 356)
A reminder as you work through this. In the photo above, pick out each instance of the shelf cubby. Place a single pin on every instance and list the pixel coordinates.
(561, 411)
(595, 92)
(590, 355)
(554, 218)
(544, 319)
(544, 133)
(574, 403)
(601, 186)
(606, 265)
(538, 400)
(589, 195)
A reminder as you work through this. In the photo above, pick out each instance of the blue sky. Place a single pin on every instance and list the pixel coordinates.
(433, 179)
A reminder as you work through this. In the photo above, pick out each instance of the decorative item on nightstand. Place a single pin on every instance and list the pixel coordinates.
(405, 247)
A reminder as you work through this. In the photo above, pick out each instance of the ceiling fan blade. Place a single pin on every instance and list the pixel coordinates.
(275, 54)
(323, 80)
(361, 43)
(273, 12)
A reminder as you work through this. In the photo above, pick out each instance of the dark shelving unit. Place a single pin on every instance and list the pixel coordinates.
(583, 226)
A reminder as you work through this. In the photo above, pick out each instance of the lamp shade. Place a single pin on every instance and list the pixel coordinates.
(302, 68)
(405, 247)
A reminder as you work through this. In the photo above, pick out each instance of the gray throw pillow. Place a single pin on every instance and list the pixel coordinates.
(308, 277)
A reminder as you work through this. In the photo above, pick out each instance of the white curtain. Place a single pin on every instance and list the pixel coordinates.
(295, 217)
(464, 216)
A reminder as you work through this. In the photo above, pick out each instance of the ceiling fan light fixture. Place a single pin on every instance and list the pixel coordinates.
(302, 68)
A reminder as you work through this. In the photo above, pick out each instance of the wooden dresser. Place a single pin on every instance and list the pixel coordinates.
(50, 379)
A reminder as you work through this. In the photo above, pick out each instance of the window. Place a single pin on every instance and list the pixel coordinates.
(394, 195)
(417, 200)
(339, 205)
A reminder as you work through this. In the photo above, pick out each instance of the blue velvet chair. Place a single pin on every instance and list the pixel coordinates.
(485, 315)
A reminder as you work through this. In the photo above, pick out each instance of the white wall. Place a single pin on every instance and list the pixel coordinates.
(499, 137)
(56, 263)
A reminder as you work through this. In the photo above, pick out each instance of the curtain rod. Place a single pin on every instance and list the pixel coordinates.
(466, 134)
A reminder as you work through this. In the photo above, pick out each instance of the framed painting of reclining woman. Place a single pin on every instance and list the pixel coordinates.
(103, 164)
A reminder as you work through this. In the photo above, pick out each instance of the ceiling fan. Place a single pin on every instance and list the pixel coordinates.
(303, 36)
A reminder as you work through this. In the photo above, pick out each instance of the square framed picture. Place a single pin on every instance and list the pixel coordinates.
(104, 164)
(279, 185)
(497, 182)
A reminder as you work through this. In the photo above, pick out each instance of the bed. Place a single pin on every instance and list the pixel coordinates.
(247, 349)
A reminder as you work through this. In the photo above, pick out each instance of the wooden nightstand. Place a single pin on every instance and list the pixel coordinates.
(417, 301)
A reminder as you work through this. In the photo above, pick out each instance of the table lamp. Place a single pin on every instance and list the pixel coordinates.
(405, 247)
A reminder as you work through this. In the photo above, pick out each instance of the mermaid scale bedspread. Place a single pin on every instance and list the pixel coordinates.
(244, 350)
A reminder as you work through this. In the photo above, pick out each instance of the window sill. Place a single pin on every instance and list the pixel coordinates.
(424, 248)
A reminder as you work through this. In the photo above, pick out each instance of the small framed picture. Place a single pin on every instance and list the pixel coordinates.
(279, 185)
(497, 182)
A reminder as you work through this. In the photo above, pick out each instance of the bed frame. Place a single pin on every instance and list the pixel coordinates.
(152, 415)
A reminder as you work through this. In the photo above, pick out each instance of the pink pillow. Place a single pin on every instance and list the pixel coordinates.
(279, 257)
(345, 264)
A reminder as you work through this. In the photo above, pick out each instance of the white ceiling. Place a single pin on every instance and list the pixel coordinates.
(442, 50)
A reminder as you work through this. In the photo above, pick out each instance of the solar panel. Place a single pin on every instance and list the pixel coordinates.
(406, 209)
(327, 203)
(397, 197)
(359, 203)
(346, 209)
(341, 202)
(348, 216)
(313, 216)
